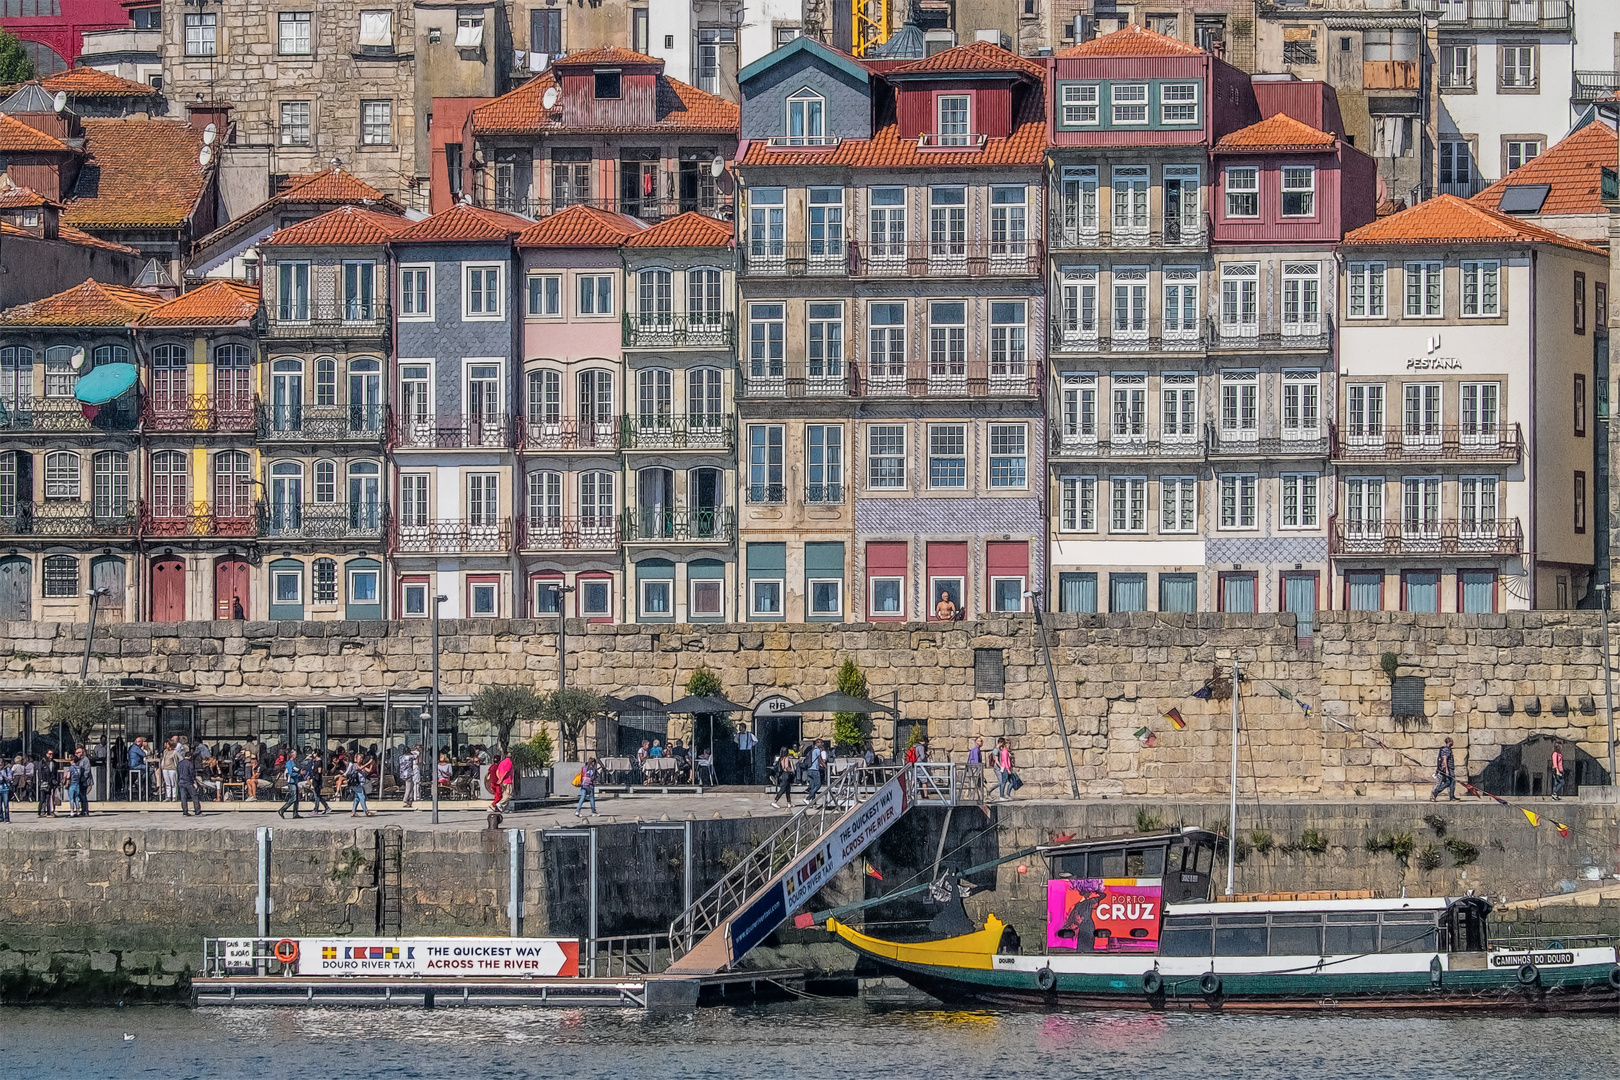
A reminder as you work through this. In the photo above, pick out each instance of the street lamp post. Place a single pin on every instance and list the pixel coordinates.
(1051, 680)
(562, 592)
(84, 676)
(1608, 676)
(433, 757)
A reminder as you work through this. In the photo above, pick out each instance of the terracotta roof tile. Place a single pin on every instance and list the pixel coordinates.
(1448, 220)
(974, 56)
(94, 83)
(17, 137)
(139, 173)
(218, 303)
(608, 54)
(680, 108)
(1573, 170)
(332, 186)
(580, 227)
(465, 223)
(1279, 132)
(347, 225)
(690, 229)
(1132, 40)
(17, 198)
(84, 239)
(90, 303)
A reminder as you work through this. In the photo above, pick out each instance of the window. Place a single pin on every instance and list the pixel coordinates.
(1580, 501)
(470, 32)
(826, 597)
(595, 294)
(1078, 303)
(1480, 412)
(703, 304)
(824, 463)
(1302, 299)
(545, 294)
(887, 362)
(1457, 166)
(1080, 104)
(707, 598)
(1178, 504)
(376, 123)
(61, 576)
(1423, 290)
(60, 378)
(1476, 592)
(1299, 501)
(323, 581)
(947, 344)
(1240, 405)
(376, 32)
(1078, 506)
(806, 112)
(1578, 401)
(545, 31)
(362, 584)
(708, 57)
(1009, 225)
(1298, 191)
(482, 598)
(1238, 498)
(765, 597)
(295, 123)
(1130, 102)
(656, 598)
(326, 481)
(953, 120)
(1518, 151)
(1128, 505)
(1420, 507)
(655, 298)
(62, 478)
(482, 295)
(111, 486)
(887, 221)
(886, 456)
(1009, 465)
(1128, 416)
(596, 505)
(1364, 508)
(570, 176)
(1456, 67)
(1007, 594)
(1363, 590)
(359, 292)
(200, 35)
(287, 587)
(1178, 592)
(292, 293)
(415, 292)
(1238, 595)
(767, 329)
(765, 448)
(1301, 405)
(947, 456)
(413, 600)
(1367, 283)
(1131, 199)
(1578, 303)
(1181, 301)
(1178, 407)
(147, 18)
(1480, 288)
(888, 596)
(824, 343)
(767, 223)
(640, 31)
(293, 36)
(1127, 592)
(1078, 200)
(1178, 103)
(1008, 358)
(1476, 506)
(1243, 193)
(1518, 68)
(326, 381)
(1077, 592)
(596, 598)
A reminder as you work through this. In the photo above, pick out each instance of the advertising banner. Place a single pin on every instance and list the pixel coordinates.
(869, 821)
(477, 957)
(758, 921)
(1103, 914)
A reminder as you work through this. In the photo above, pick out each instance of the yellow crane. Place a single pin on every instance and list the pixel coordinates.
(870, 25)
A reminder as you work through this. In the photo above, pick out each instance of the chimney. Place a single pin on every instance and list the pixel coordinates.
(199, 114)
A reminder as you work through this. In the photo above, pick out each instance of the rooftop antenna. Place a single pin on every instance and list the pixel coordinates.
(59, 102)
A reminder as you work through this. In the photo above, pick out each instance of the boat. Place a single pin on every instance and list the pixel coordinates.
(1132, 923)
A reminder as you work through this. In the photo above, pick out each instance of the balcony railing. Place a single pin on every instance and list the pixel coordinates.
(1590, 86)
(823, 494)
(198, 412)
(1147, 441)
(452, 536)
(1128, 335)
(715, 204)
(1463, 189)
(860, 259)
(471, 431)
(1266, 440)
(51, 414)
(203, 517)
(1484, 444)
(1422, 538)
(1497, 14)
(322, 423)
(679, 433)
(549, 533)
(798, 380)
(1273, 335)
(330, 319)
(661, 331)
(571, 433)
(1069, 232)
(325, 521)
(700, 525)
(975, 377)
(74, 519)
(765, 494)
(1456, 80)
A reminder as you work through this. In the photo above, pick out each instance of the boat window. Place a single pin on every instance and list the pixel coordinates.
(1185, 935)
(1418, 916)
(1404, 935)
(1069, 866)
(1296, 935)
(1107, 864)
(1174, 862)
(1240, 935)
(1144, 862)
(1206, 858)
(1351, 934)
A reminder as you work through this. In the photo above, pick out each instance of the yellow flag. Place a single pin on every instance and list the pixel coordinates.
(1530, 816)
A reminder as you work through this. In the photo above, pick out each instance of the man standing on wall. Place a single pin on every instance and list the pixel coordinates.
(1445, 773)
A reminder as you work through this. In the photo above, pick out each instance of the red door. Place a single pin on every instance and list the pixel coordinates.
(231, 589)
(169, 590)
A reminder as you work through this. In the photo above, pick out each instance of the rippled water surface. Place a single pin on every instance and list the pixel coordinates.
(906, 1039)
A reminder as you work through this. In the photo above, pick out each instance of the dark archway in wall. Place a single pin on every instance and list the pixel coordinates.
(1525, 768)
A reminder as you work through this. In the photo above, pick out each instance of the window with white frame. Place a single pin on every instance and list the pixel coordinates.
(1423, 299)
(481, 298)
(826, 596)
(1481, 288)
(1007, 594)
(1302, 299)
(292, 291)
(545, 400)
(295, 123)
(888, 596)
(1078, 303)
(1476, 505)
(1299, 501)
(1239, 495)
(293, 37)
(287, 587)
(806, 117)
(1364, 507)
(947, 223)
(1128, 407)
(824, 342)
(1519, 151)
(1178, 407)
(1128, 501)
(887, 341)
(1130, 302)
(954, 122)
(1240, 405)
(1009, 221)
(1130, 103)
(707, 598)
(377, 123)
(545, 295)
(596, 503)
(1077, 200)
(947, 456)
(1420, 506)
(765, 463)
(1240, 300)
(1080, 104)
(1009, 461)
(1481, 412)
(1008, 352)
(1130, 199)
(1364, 412)
(595, 294)
(62, 476)
(767, 223)
(201, 31)
(703, 297)
(886, 456)
(545, 505)
(886, 220)
(657, 599)
(765, 596)
(655, 298)
(1178, 103)
(824, 231)
(1367, 282)
(596, 598)
(1421, 412)
(1079, 404)
(1180, 301)
(767, 335)
(1299, 191)
(1518, 70)
(363, 586)
(947, 343)
(1301, 405)
(1178, 504)
(1243, 192)
(824, 463)
(1077, 511)
(483, 500)
(414, 510)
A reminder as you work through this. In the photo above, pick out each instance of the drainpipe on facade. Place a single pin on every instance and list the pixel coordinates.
(1528, 538)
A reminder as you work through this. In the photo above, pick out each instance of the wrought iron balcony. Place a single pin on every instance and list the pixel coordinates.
(1503, 14)
(1426, 538)
(824, 494)
(970, 377)
(469, 431)
(1268, 440)
(326, 521)
(202, 517)
(1098, 335)
(453, 536)
(571, 433)
(557, 533)
(679, 432)
(322, 423)
(660, 331)
(918, 259)
(328, 320)
(54, 414)
(765, 494)
(1069, 233)
(1494, 444)
(198, 412)
(1146, 443)
(798, 380)
(1271, 335)
(694, 525)
(72, 519)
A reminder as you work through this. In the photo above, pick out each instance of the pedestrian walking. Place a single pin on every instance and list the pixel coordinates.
(1005, 762)
(5, 792)
(1557, 770)
(45, 784)
(87, 779)
(502, 783)
(785, 767)
(1445, 773)
(185, 784)
(315, 775)
(410, 774)
(587, 787)
(355, 777)
(812, 774)
(293, 771)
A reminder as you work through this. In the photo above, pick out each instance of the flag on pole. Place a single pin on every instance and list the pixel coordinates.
(1203, 693)
(1174, 716)
(872, 871)
(1284, 694)
(1563, 830)
(1530, 816)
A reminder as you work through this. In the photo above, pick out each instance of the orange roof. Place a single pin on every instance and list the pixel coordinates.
(462, 222)
(690, 229)
(218, 303)
(679, 108)
(974, 56)
(17, 137)
(17, 198)
(331, 185)
(90, 303)
(92, 82)
(347, 225)
(84, 239)
(1572, 170)
(580, 227)
(140, 173)
(1132, 40)
(608, 54)
(1449, 220)
(1279, 132)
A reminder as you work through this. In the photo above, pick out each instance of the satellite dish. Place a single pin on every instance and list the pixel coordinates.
(210, 133)
(59, 102)
(206, 156)
(76, 361)
(549, 98)
(717, 166)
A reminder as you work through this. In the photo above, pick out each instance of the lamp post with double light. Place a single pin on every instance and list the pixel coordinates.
(561, 592)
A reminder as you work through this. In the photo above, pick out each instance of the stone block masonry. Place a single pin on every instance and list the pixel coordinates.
(1488, 681)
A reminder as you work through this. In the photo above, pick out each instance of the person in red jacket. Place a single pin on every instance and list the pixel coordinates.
(501, 784)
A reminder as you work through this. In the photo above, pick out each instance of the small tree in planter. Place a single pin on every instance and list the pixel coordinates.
(705, 683)
(571, 710)
(504, 707)
(534, 756)
(850, 729)
(83, 709)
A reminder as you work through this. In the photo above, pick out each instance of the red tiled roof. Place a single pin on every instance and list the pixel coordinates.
(93, 83)
(140, 173)
(84, 239)
(462, 222)
(218, 303)
(1573, 171)
(580, 227)
(679, 108)
(18, 198)
(1450, 220)
(1132, 40)
(1279, 132)
(17, 137)
(690, 229)
(974, 56)
(608, 54)
(332, 185)
(347, 225)
(90, 303)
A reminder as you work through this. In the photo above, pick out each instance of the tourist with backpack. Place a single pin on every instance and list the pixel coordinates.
(586, 782)
(293, 773)
(785, 768)
(355, 777)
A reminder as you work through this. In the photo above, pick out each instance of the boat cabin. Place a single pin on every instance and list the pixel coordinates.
(1182, 861)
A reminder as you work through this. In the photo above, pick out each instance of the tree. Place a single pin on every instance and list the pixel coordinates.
(533, 756)
(15, 64)
(705, 683)
(504, 707)
(850, 729)
(571, 710)
(83, 708)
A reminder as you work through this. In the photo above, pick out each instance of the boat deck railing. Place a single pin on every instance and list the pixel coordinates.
(264, 960)
(1551, 944)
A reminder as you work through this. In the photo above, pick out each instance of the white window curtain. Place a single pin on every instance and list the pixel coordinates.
(470, 33)
(377, 28)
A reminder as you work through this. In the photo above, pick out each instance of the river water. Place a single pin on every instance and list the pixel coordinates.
(896, 1038)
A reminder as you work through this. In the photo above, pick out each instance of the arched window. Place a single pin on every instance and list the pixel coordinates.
(703, 399)
(287, 395)
(62, 479)
(805, 112)
(60, 377)
(545, 506)
(170, 379)
(233, 378)
(654, 398)
(365, 496)
(323, 581)
(325, 481)
(286, 497)
(595, 407)
(16, 380)
(61, 576)
(655, 301)
(171, 485)
(545, 399)
(326, 381)
(233, 485)
(111, 496)
(703, 297)
(110, 354)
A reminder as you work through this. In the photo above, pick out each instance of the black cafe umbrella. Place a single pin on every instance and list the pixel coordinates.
(838, 701)
(632, 705)
(705, 703)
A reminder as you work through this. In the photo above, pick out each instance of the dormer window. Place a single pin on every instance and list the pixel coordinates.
(607, 84)
(1130, 103)
(805, 118)
(953, 120)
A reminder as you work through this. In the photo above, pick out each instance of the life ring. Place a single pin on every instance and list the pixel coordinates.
(1152, 982)
(1528, 975)
(1209, 983)
(1046, 978)
(1614, 977)
(286, 950)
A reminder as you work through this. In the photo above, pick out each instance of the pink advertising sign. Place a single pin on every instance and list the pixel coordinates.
(1103, 914)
